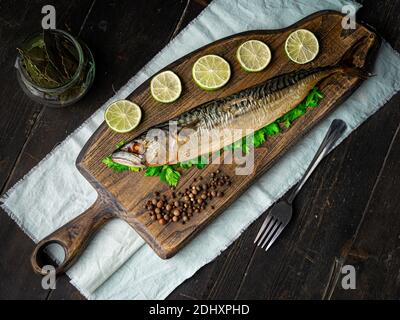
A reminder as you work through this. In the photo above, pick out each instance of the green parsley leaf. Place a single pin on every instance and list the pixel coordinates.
(185, 164)
(163, 173)
(246, 143)
(259, 138)
(234, 146)
(135, 169)
(153, 171)
(201, 162)
(271, 129)
(170, 175)
(200, 165)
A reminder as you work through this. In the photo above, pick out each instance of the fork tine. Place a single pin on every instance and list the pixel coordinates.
(278, 232)
(271, 233)
(264, 225)
(267, 230)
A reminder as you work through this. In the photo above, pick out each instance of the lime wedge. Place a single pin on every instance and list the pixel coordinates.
(123, 115)
(166, 87)
(253, 55)
(301, 46)
(211, 72)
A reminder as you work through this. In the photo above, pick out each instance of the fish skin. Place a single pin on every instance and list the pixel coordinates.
(127, 158)
(248, 110)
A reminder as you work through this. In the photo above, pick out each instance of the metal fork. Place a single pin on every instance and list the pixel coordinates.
(281, 213)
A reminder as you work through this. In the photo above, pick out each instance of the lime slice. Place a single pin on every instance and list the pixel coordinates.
(211, 72)
(123, 116)
(166, 87)
(301, 46)
(253, 55)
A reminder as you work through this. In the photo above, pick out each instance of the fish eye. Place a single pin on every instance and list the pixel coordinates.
(136, 147)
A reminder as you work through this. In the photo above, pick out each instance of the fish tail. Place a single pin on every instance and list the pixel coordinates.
(348, 65)
(356, 72)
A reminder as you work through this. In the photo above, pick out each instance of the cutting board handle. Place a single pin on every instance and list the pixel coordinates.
(73, 237)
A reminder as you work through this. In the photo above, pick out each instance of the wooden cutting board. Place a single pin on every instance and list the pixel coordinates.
(123, 195)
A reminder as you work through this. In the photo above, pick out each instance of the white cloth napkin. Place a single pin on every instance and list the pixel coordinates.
(117, 264)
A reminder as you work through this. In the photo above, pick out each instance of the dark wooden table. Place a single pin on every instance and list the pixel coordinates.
(348, 212)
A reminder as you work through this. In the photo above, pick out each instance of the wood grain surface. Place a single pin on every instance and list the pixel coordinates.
(133, 190)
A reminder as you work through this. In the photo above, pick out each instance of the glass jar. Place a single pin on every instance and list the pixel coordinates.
(70, 91)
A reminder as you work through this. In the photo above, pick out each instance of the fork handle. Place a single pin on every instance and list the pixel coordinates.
(335, 131)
